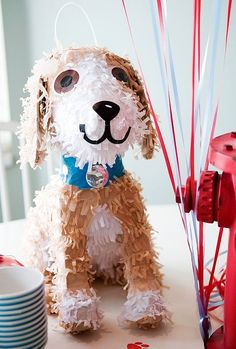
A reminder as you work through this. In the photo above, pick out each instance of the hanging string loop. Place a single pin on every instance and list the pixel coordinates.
(71, 3)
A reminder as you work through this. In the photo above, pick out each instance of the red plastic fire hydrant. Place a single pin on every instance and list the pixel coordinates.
(215, 200)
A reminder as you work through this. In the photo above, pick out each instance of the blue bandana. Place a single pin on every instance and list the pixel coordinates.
(77, 177)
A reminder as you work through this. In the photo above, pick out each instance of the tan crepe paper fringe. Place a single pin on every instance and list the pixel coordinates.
(66, 227)
(124, 201)
(149, 142)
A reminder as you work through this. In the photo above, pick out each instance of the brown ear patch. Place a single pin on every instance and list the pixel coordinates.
(116, 61)
(42, 129)
(149, 142)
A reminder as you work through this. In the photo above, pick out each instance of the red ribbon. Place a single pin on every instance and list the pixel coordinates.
(201, 262)
(162, 143)
(164, 44)
(211, 285)
(206, 291)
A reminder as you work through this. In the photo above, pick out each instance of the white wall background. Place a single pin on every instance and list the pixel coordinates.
(29, 26)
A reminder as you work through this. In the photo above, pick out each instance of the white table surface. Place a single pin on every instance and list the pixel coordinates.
(174, 255)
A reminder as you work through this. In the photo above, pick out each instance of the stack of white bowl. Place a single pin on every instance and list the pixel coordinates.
(23, 317)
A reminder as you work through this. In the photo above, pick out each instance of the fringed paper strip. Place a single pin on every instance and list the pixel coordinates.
(144, 305)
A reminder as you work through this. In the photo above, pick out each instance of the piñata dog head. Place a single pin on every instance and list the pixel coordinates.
(89, 103)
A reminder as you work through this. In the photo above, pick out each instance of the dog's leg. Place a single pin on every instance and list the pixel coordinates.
(77, 302)
(37, 253)
(144, 306)
(41, 228)
(48, 277)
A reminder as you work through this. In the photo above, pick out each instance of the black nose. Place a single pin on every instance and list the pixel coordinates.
(106, 110)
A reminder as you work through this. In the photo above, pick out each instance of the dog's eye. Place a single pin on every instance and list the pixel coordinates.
(66, 81)
(120, 75)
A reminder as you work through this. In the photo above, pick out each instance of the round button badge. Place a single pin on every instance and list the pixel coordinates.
(97, 176)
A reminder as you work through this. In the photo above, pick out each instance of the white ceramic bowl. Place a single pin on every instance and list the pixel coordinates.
(7, 327)
(15, 333)
(27, 297)
(15, 336)
(34, 342)
(23, 316)
(26, 319)
(20, 316)
(18, 282)
(40, 330)
(22, 305)
(23, 310)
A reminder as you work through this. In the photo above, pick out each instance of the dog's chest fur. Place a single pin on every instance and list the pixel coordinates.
(103, 248)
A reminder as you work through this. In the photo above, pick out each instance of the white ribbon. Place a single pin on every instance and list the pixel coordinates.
(71, 3)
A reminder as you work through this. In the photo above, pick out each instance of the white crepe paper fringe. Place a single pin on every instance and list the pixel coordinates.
(102, 236)
(143, 304)
(45, 245)
(69, 110)
(96, 83)
(44, 227)
(27, 132)
(81, 308)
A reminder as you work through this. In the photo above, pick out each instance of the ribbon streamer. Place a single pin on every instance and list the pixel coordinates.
(162, 143)
(209, 296)
(71, 3)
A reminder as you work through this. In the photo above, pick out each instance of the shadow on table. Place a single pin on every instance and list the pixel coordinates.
(162, 330)
(95, 336)
(112, 300)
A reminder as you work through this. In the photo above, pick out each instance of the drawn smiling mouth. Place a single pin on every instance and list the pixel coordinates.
(106, 135)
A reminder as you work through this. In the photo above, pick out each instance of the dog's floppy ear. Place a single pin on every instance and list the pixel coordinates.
(36, 121)
(149, 142)
(43, 121)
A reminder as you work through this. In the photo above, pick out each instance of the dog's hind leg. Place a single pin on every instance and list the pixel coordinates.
(38, 255)
(41, 228)
(144, 306)
(78, 305)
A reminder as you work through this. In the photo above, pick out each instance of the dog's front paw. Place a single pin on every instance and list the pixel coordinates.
(79, 311)
(144, 309)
